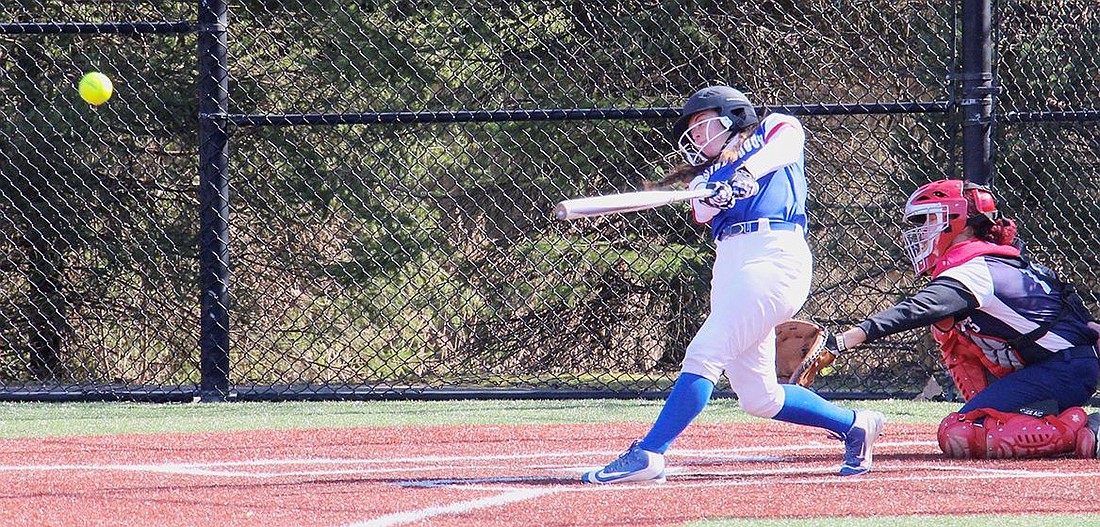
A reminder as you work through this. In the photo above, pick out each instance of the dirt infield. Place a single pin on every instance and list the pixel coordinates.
(506, 475)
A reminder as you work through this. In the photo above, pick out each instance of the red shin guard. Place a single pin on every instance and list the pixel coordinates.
(986, 433)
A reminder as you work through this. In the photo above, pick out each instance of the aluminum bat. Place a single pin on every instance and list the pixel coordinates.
(594, 206)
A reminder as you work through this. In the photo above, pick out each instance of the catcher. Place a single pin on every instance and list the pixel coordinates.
(1016, 340)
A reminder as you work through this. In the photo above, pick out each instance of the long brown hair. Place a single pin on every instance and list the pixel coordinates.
(987, 222)
(1001, 232)
(683, 173)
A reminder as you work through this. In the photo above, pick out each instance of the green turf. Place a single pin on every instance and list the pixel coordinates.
(914, 521)
(51, 419)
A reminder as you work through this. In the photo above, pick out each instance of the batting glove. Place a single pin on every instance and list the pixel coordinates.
(723, 195)
(742, 184)
(834, 343)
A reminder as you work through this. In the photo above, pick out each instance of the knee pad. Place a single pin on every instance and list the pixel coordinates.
(1088, 444)
(961, 438)
(991, 434)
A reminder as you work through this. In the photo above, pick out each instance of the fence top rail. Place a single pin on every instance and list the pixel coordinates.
(559, 114)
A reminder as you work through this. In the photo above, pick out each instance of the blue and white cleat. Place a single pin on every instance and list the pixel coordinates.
(859, 442)
(635, 465)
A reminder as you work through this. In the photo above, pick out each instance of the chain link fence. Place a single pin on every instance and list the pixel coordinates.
(392, 165)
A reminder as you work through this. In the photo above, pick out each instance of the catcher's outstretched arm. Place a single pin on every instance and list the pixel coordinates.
(942, 298)
(852, 337)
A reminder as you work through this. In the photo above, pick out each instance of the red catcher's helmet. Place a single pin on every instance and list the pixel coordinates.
(941, 210)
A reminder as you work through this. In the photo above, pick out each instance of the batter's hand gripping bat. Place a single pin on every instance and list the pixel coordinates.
(571, 209)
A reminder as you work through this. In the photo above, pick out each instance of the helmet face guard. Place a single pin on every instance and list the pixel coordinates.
(694, 152)
(730, 104)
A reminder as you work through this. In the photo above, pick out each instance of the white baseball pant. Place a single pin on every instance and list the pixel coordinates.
(759, 280)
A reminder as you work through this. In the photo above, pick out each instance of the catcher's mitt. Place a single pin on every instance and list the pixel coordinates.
(801, 351)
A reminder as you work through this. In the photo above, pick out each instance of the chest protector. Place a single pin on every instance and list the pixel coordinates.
(964, 360)
(968, 366)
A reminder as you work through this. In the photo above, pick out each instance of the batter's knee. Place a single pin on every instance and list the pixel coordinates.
(708, 369)
(765, 407)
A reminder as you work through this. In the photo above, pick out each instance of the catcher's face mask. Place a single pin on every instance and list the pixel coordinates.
(937, 212)
(920, 241)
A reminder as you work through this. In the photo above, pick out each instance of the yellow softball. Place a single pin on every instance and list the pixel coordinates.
(95, 88)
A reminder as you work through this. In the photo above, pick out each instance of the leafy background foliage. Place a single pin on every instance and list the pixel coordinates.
(422, 255)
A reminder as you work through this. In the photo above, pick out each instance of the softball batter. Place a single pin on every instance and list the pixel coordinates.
(761, 277)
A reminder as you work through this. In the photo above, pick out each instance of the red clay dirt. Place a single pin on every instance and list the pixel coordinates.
(507, 475)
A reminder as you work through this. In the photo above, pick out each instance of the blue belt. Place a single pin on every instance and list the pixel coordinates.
(762, 224)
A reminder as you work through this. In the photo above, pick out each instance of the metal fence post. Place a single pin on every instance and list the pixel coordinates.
(213, 86)
(977, 91)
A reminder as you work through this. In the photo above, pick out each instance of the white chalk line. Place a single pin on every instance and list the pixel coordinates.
(686, 476)
(682, 478)
(509, 496)
(401, 518)
(712, 479)
(431, 462)
(191, 470)
(434, 463)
